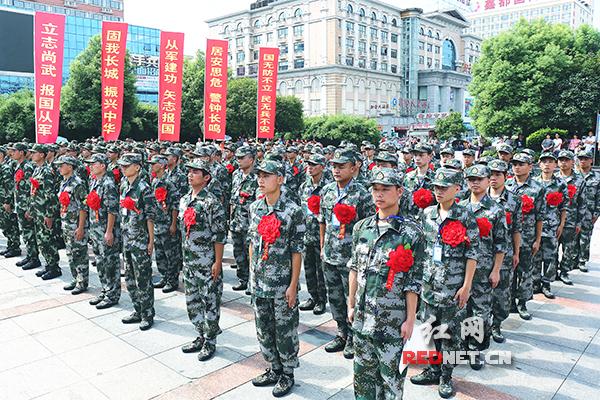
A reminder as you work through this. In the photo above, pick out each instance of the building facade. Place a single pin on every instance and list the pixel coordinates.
(349, 57)
(109, 10)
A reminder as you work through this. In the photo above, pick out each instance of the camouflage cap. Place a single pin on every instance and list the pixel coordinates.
(98, 157)
(447, 150)
(174, 151)
(407, 149)
(52, 147)
(113, 149)
(369, 146)
(548, 154)
(70, 160)
(454, 163)
(159, 159)
(244, 151)
(130, 158)
(478, 171)
(385, 156)
(469, 152)
(566, 154)
(387, 176)
(446, 177)
(199, 164)
(154, 147)
(201, 151)
(344, 156)
(498, 165)
(291, 149)
(39, 148)
(387, 146)
(523, 158)
(584, 154)
(485, 160)
(318, 150)
(3, 149)
(530, 152)
(19, 146)
(422, 148)
(270, 167)
(270, 156)
(505, 148)
(317, 159)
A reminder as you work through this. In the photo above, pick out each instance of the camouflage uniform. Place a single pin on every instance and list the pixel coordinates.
(178, 178)
(22, 202)
(412, 183)
(591, 200)
(8, 221)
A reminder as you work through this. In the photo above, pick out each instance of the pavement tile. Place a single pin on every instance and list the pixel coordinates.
(112, 322)
(241, 339)
(10, 330)
(189, 366)
(572, 389)
(78, 391)
(21, 351)
(163, 336)
(47, 319)
(72, 336)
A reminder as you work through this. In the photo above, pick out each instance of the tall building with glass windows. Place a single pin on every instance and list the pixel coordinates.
(142, 43)
(110, 10)
(350, 57)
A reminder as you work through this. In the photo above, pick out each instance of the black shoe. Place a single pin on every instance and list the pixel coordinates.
(428, 376)
(133, 318)
(79, 290)
(160, 284)
(564, 278)
(32, 264)
(23, 261)
(207, 352)
(240, 286)
(537, 289)
(583, 267)
(70, 286)
(337, 344)
(270, 377)
(233, 266)
(477, 362)
(523, 313)
(169, 288)
(41, 272)
(284, 385)
(12, 253)
(547, 291)
(446, 388)
(96, 300)
(513, 308)
(146, 324)
(94, 263)
(53, 273)
(307, 305)
(106, 303)
(3, 252)
(319, 309)
(248, 292)
(497, 335)
(349, 348)
(194, 346)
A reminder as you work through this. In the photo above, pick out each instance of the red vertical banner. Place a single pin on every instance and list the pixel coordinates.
(268, 62)
(114, 45)
(49, 40)
(169, 86)
(215, 89)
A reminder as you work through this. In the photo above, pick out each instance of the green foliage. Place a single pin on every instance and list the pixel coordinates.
(81, 97)
(534, 141)
(17, 117)
(289, 117)
(241, 108)
(450, 127)
(144, 125)
(332, 129)
(192, 98)
(536, 74)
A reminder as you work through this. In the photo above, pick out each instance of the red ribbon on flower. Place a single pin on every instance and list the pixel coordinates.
(129, 204)
(117, 175)
(93, 201)
(64, 200)
(431, 167)
(19, 175)
(230, 168)
(314, 204)
(526, 204)
(572, 190)
(485, 226)
(454, 233)
(161, 196)
(422, 198)
(244, 196)
(371, 166)
(508, 218)
(35, 185)
(268, 229)
(400, 260)
(189, 219)
(345, 214)
(554, 198)
(295, 170)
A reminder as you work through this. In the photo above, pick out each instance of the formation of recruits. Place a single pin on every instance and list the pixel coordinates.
(384, 234)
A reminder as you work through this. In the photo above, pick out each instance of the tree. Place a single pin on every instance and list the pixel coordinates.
(332, 129)
(144, 125)
(192, 98)
(17, 117)
(241, 108)
(81, 110)
(450, 127)
(289, 116)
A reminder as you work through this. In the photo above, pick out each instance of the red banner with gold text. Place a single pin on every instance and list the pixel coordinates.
(169, 86)
(268, 62)
(114, 43)
(215, 90)
(49, 40)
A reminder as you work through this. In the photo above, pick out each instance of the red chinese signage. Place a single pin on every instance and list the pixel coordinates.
(268, 61)
(114, 43)
(49, 39)
(169, 90)
(215, 90)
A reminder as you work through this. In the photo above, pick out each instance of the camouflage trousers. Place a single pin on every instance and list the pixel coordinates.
(277, 332)
(522, 283)
(203, 300)
(240, 253)
(10, 229)
(570, 250)
(336, 278)
(451, 317)
(77, 253)
(107, 262)
(46, 242)
(480, 305)
(138, 278)
(501, 296)
(376, 368)
(313, 272)
(585, 238)
(167, 255)
(545, 261)
(28, 232)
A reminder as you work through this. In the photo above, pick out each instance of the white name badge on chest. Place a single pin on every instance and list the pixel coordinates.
(437, 253)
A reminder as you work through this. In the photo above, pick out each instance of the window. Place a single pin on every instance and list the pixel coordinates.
(437, 35)
(241, 71)
(350, 61)
(421, 60)
(361, 13)
(421, 31)
(240, 56)
(394, 69)
(269, 21)
(394, 38)
(281, 17)
(449, 55)
(373, 16)
(257, 39)
(384, 36)
(384, 67)
(429, 47)
(299, 30)
(394, 22)
(384, 19)
(429, 62)
(349, 9)
(394, 53)
(437, 49)
(239, 42)
(429, 33)
(350, 43)
(298, 13)
(283, 49)
(299, 47)
(362, 31)
(421, 45)
(361, 63)
(257, 24)
(269, 37)
(373, 48)
(437, 64)
(349, 26)
(362, 47)
(255, 54)
(298, 64)
(282, 33)
(252, 69)
(373, 33)
(283, 65)
(384, 51)
(374, 65)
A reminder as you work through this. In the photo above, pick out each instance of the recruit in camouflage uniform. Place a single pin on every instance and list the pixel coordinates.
(336, 249)
(274, 274)
(415, 180)
(178, 177)
(73, 218)
(591, 199)
(137, 225)
(447, 276)
(105, 232)
(380, 311)
(202, 256)
(8, 217)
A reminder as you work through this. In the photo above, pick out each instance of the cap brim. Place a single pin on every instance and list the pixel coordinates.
(442, 184)
(339, 160)
(385, 183)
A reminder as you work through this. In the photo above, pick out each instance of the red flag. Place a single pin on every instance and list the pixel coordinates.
(114, 43)
(215, 89)
(268, 64)
(169, 91)
(49, 39)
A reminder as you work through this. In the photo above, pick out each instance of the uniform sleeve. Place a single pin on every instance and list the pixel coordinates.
(297, 231)
(80, 194)
(353, 262)
(540, 206)
(517, 221)
(366, 207)
(583, 214)
(321, 217)
(414, 278)
(596, 208)
(500, 233)
(472, 248)
(218, 222)
(565, 192)
(149, 203)
(111, 198)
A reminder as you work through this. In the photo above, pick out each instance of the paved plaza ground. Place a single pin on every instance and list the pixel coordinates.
(54, 345)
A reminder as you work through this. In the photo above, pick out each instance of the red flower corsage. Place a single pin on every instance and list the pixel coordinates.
(400, 260)
(129, 204)
(454, 233)
(244, 196)
(268, 229)
(485, 226)
(423, 198)
(554, 198)
(572, 190)
(230, 168)
(345, 214)
(526, 204)
(64, 200)
(93, 201)
(189, 219)
(19, 175)
(314, 204)
(35, 185)
(508, 218)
